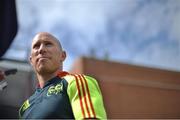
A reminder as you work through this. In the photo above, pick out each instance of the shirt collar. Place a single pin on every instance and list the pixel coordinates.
(58, 76)
(62, 73)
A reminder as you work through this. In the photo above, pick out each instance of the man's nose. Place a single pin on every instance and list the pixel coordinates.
(42, 49)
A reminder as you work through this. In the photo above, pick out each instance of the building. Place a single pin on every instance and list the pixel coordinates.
(134, 91)
(129, 91)
(20, 87)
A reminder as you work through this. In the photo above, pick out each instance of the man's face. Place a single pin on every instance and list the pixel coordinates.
(46, 54)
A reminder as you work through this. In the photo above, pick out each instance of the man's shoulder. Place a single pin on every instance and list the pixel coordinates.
(79, 78)
(74, 78)
(69, 78)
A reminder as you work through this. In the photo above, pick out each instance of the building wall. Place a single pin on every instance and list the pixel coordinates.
(131, 91)
(20, 87)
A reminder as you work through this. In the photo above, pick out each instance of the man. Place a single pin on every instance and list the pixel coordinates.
(60, 94)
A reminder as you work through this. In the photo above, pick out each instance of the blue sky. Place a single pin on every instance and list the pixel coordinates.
(143, 32)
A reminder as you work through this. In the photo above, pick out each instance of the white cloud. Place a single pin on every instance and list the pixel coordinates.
(90, 18)
(175, 30)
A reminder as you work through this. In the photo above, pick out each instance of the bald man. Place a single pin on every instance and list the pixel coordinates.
(59, 94)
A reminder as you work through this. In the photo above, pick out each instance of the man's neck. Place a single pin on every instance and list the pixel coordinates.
(43, 78)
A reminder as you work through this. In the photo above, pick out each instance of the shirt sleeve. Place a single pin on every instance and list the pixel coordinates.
(85, 97)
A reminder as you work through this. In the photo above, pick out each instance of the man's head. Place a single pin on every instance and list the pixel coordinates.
(47, 55)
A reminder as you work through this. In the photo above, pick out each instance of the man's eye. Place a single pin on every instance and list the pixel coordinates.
(36, 46)
(48, 44)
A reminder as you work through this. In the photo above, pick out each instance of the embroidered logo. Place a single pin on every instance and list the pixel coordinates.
(55, 89)
(25, 106)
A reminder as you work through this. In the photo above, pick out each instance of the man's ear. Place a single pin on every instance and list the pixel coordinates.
(63, 56)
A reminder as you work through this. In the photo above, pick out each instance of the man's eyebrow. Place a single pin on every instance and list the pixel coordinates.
(35, 43)
(47, 41)
(38, 42)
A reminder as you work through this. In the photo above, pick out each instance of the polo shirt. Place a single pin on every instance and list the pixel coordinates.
(72, 96)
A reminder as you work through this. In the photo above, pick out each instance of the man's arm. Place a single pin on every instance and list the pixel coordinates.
(86, 98)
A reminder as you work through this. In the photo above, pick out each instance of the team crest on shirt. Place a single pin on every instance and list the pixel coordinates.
(54, 90)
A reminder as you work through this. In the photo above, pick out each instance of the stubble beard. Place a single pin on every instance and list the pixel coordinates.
(46, 68)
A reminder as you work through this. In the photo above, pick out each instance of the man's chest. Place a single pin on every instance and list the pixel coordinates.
(49, 103)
